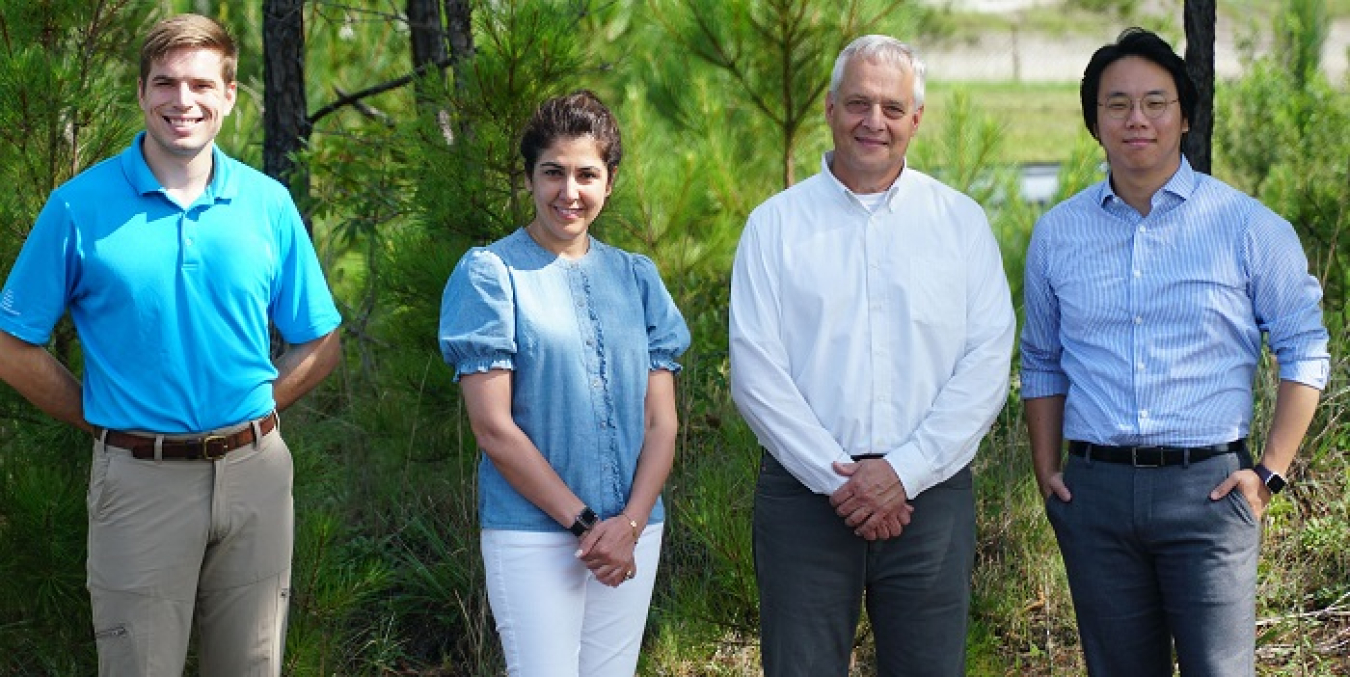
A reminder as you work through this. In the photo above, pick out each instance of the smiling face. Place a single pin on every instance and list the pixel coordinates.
(570, 184)
(872, 118)
(185, 100)
(1140, 150)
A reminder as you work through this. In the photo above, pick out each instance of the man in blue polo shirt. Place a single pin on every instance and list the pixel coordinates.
(1148, 297)
(172, 259)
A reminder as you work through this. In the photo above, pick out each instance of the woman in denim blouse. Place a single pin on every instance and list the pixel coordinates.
(565, 350)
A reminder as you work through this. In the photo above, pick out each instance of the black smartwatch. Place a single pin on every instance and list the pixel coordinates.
(1274, 481)
(585, 520)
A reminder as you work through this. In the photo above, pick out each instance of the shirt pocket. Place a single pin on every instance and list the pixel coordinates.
(935, 290)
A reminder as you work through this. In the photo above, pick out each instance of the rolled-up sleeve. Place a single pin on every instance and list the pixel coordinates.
(478, 326)
(1041, 374)
(1287, 300)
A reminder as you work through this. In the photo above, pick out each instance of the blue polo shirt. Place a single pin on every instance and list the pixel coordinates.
(172, 302)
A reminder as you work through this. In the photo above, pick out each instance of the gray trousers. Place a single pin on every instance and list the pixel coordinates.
(173, 542)
(1153, 561)
(814, 576)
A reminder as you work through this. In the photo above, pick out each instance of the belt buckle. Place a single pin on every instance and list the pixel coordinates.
(1134, 459)
(222, 443)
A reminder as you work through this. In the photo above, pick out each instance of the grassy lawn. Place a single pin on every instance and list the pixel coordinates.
(1041, 122)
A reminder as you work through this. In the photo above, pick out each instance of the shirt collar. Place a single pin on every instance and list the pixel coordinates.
(1180, 187)
(223, 185)
(895, 189)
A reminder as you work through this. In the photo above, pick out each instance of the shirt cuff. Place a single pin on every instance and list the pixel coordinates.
(484, 363)
(914, 479)
(1308, 372)
(1044, 384)
(665, 359)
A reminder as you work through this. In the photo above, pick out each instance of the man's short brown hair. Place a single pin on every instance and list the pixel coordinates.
(189, 31)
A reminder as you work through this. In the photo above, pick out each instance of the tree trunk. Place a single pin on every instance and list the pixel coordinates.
(1199, 19)
(285, 128)
(459, 33)
(428, 42)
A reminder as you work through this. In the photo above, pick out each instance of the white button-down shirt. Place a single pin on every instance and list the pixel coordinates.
(859, 332)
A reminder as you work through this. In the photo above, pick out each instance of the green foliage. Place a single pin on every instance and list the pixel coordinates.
(772, 54)
(1283, 142)
(1121, 8)
(64, 105)
(43, 603)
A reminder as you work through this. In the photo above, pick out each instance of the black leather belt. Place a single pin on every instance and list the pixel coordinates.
(1154, 457)
(864, 457)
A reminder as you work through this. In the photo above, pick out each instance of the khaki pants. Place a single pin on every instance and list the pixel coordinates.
(174, 538)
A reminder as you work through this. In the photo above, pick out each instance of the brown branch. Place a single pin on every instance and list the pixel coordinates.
(355, 97)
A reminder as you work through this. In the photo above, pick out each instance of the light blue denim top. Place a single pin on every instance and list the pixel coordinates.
(582, 337)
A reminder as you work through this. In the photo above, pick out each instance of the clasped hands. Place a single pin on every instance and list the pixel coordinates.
(608, 551)
(873, 500)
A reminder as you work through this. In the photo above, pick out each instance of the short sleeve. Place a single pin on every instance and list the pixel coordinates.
(37, 291)
(667, 333)
(302, 308)
(478, 320)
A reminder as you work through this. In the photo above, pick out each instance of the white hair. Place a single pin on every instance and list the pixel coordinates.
(884, 49)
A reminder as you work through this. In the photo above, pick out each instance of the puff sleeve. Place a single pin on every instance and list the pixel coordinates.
(478, 323)
(667, 333)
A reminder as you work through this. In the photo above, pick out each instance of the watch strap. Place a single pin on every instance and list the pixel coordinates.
(585, 521)
(1274, 481)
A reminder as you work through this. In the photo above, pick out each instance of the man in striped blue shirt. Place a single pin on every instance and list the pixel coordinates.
(1148, 297)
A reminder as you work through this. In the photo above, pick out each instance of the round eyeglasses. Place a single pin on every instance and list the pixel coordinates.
(1153, 106)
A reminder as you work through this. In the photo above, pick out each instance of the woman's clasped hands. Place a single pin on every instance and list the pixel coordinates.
(607, 550)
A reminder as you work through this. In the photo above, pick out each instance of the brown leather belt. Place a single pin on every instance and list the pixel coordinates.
(204, 448)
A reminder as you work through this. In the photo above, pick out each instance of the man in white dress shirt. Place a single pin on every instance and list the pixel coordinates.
(871, 333)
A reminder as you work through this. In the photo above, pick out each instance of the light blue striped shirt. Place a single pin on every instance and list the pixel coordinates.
(1152, 326)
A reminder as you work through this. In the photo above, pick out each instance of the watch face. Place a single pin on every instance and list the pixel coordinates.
(1275, 483)
(1273, 480)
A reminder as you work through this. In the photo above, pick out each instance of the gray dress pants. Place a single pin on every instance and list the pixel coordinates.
(814, 576)
(1153, 561)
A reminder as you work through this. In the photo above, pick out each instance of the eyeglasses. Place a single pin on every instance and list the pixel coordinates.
(1153, 106)
(859, 106)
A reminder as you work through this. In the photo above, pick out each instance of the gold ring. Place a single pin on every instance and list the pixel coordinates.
(629, 574)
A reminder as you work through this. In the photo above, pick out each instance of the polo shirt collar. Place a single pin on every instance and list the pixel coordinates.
(223, 185)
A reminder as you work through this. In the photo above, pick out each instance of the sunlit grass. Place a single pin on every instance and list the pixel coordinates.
(1040, 121)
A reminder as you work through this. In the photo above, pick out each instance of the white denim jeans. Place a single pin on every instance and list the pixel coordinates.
(553, 617)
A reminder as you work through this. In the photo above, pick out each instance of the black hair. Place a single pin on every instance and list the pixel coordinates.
(1145, 45)
(572, 116)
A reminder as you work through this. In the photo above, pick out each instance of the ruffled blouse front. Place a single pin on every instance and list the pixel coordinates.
(582, 336)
